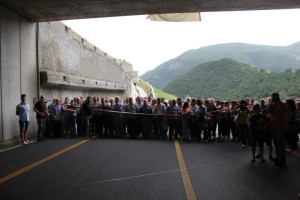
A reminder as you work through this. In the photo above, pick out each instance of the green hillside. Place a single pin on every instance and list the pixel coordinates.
(146, 87)
(167, 96)
(272, 58)
(227, 79)
(158, 93)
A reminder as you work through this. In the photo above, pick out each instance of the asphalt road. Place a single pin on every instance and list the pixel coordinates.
(142, 169)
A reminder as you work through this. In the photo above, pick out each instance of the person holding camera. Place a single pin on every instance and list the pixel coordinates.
(278, 124)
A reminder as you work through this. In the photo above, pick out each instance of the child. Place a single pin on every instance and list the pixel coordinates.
(257, 125)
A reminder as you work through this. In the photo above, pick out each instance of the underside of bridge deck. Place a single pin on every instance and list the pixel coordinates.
(54, 10)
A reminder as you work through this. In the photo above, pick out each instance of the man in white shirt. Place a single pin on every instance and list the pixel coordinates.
(23, 110)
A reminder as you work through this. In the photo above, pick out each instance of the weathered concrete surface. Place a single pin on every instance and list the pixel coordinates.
(54, 10)
(66, 52)
(134, 76)
(18, 71)
(74, 66)
(49, 78)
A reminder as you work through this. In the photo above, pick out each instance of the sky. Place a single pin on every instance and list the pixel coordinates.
(146, 44)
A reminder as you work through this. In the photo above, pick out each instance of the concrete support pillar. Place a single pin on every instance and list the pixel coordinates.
(17, 70)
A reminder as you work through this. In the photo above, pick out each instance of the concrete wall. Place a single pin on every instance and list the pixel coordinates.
(64, 52)
(29, 49)
(18, 71)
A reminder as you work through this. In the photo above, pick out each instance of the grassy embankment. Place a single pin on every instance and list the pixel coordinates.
(158, 93)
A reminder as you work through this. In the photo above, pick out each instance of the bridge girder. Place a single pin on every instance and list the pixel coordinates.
(54, 10)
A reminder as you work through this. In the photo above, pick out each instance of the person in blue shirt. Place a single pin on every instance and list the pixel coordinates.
(56, 116)
(173, 121)
(23, 110)
(201, 113)
(160, 109)
(118, 118)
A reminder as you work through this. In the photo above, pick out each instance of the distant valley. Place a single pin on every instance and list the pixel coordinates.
(275, 59)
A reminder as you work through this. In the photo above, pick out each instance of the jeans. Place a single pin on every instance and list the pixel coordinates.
(160, 127)
(86, 125)
(41, 128)
(186, 132)
(72, 125)
(173, 128)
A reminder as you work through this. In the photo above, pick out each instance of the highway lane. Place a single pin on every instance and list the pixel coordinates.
(144, 169)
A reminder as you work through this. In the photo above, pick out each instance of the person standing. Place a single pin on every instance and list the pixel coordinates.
(100, 125)
(192, 120)
(291, 132)
(201, 113)
(139, 104)
(159, 109)
(185, 112)
(278, 124)
(117, 117)
(56, 118)
(95, 117)
(146, 120)
(131, 119)
(87, 111)
(107, 119)
(41, 112)
(72, 111)
(242, 122)
(257, 131)
(23, 110)
(173, 121)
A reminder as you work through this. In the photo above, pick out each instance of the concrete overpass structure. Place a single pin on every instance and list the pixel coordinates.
(53, 10)
(34, 57)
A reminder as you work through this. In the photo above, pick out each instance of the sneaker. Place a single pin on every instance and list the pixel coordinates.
(243, 146)
(29, 142)
(25, 142)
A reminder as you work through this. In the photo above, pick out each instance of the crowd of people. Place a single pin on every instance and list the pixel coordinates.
(252, 123)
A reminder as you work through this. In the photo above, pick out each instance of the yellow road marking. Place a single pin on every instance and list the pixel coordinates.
(33, 165)
(184, 173)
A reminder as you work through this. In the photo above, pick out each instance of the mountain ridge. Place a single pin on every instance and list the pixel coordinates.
(270, 58)
(228, 79)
